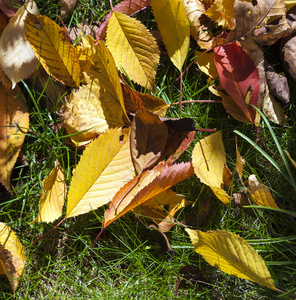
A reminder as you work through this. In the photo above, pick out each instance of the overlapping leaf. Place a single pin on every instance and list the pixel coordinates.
(134, 49)
(232, 254)
(103, 169)
(144, 187)
(53, 196)
(17, 58)
(12, 255)
(174, 28)
(14, 123)
(53, 48)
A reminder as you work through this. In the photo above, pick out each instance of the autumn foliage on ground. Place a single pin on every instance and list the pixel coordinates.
(130, 149)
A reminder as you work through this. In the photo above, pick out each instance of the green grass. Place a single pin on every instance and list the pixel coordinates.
(128, 261)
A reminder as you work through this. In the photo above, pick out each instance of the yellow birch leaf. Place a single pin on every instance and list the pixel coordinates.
(53, 196)
(12, 256)
(53, 48)
(17, 58)
(91, 109)
(134, 49)
(208, 159)
(174, 28)
(260, 193)
(231, 254)
(103, 72)
(14, 123)
(104, 167)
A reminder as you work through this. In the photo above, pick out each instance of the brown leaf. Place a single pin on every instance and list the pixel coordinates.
(148, 140)
(240, 162)
(288, 53)
(240, 199)
(67, 7)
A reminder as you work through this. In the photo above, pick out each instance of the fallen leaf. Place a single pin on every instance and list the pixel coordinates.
(144, 187)
(53, 196)
(14, 118)
(288, 50)
(231, 254)
(240, 162)
(260, 193)
(103, 169)
(227, 178)
(18, 60)
(148, 140)
(67, 7)
(12, 255)
(138, 59)
(53, 48)
(208, 159)
(174, 28)
(9, 7)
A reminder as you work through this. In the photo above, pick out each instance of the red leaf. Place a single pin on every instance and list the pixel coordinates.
(238, 75)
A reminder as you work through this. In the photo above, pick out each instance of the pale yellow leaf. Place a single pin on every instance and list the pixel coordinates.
(174, 28)
(17, 58)
(53, 48)
(53, 196)
(221, 194)
(14, 123)
(260, 193)
(232, 255)
(91, 109)
(12, 255)
(134, 49)
(104, 167)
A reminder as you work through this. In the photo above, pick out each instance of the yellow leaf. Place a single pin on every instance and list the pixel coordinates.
(14, 123)
(208, 159)
(12, 256)
(134, 49)
(222, 13)
(93, 109)
(260, 193)
(174, 28)
(53, 48)
(17, 58)
(103, 72)
(232, 255)
(53, 196)
(103, 169)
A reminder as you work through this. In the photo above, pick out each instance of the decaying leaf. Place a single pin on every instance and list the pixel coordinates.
(67, 7)
(53, 196)
(14, 123)
(17, 58)
(232, 254)
(227, 178)
(161, 209)
(208, 159)
(53, 48)
(103, 169)
(260, 193)
(12, 255)
(144, 187)
(148, 140)
(174, 28)
(240, 162)
(133, 48)
(288, 52)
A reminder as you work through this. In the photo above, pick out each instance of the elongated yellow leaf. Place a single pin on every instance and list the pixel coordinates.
(12, 255)
(260, 193)
(17, 58)
(104, 167)
(174, 28)
(91, 108)
(14, 123)
(53, 196)
(134, 49)
(208, 159)
(232, 254)
(53, 48)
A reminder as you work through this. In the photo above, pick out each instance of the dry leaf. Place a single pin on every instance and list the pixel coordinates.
(67, 7)
(174, 28)
(14, 123)
(240, 162)
(227, 178)
(133, 48)
(53, 48)
(288, 50)
(12, 255)
(53, 196)
(103, 169)
(17, 58)
(232, 254)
